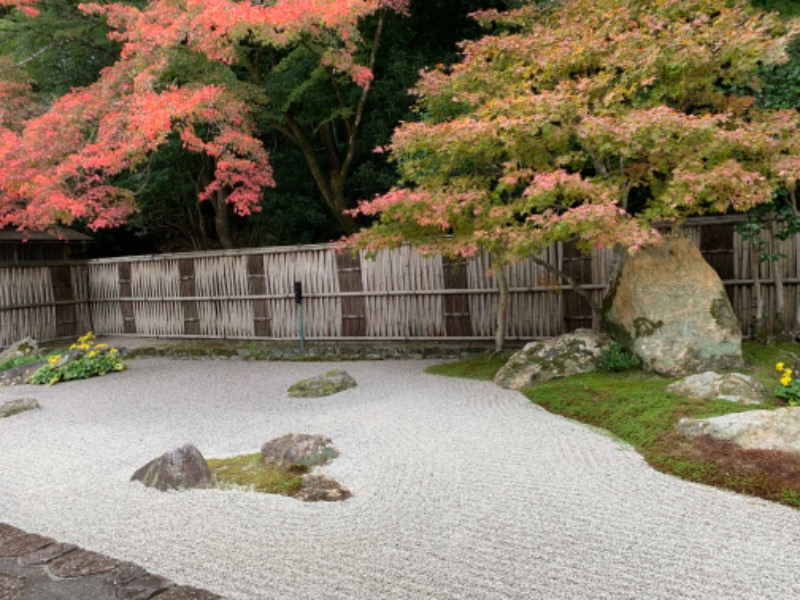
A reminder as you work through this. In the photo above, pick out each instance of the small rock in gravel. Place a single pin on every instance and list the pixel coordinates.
(299, 449)
(180, 468)
(13, 407)
(316, 488)
(326, 384)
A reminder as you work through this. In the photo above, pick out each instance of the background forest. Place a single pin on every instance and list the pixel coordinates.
(317, 168)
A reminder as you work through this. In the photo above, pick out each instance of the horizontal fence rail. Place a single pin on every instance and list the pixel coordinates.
(397, 295)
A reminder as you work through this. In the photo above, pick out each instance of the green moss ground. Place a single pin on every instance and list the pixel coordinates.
(248, 471)
(636, 408)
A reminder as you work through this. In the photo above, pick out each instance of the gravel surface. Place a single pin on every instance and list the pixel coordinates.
(460, 490)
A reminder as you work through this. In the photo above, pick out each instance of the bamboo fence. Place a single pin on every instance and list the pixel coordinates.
(397, 295)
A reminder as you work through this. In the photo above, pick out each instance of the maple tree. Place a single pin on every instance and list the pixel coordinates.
(63, 164)
(588, 120)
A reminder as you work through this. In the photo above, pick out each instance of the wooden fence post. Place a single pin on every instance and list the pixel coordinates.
(126, 306)
(457, 321)
(66, 316)
(348, 270)
(257, 286)
(191, 316)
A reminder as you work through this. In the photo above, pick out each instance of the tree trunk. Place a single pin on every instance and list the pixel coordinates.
(780, 296)
(221, 221)
(758, 296)
(502, 306)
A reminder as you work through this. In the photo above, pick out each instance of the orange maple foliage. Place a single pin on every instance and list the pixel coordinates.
(61, 166)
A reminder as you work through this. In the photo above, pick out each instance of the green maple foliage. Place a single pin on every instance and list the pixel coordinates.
(589, 120)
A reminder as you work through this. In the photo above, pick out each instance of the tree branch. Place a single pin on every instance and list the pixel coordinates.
(570, 281)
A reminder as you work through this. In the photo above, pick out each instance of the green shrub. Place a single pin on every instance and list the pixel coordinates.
(89, 359)
(616, 358)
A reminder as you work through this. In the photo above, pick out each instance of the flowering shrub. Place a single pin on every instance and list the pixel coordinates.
(789, 389)
(86, 359)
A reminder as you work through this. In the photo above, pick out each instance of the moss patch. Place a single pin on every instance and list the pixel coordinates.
(644, 326)
(723, 315)
(250, 472)
(481, 367)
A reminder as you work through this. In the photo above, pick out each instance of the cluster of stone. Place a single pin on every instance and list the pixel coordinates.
(186, 468)
(34, 566)
(307, 450)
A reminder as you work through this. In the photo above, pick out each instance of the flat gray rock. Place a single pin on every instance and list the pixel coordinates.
(733, 387)
(326, 384)
(13, 407)
(752, 430)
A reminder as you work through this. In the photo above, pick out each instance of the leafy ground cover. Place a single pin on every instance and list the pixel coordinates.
(251, 472)
(635, 407)
(22, 360)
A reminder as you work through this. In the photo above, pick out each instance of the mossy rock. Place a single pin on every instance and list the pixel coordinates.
(13, 407)
(563, 356)
(329, 383)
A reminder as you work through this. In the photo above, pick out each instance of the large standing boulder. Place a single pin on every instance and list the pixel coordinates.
(671, 306)
(181, 468)
(566, 355)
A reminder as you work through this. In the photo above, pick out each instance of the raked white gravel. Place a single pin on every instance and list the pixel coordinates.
(460, 490)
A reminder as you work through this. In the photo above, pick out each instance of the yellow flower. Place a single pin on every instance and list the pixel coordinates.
(786, 381)
(85, 338)
(92, 354)
(113, 351)
(53, 359)
(53, 380)
(787, 372)
(779, 366)
(100, 346)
